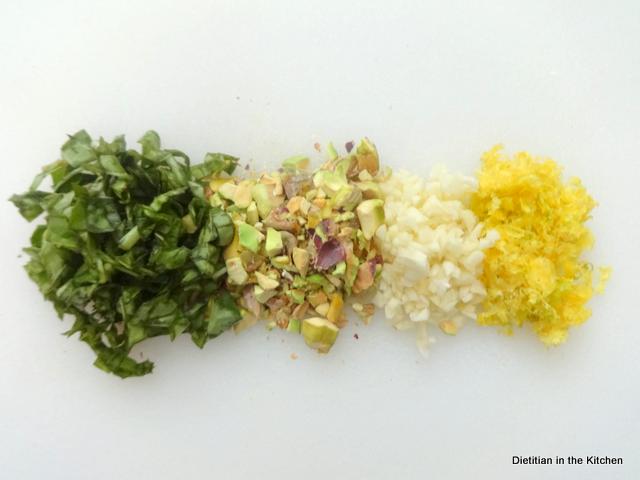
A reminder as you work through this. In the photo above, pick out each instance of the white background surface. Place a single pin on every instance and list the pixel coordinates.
(429, 83)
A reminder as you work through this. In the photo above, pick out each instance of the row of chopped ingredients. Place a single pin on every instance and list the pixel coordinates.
(138, 244)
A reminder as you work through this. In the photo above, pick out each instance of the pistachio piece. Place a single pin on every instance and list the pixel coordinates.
(265, 282)
(265, 198)
(299, 162)
(289, 242)
(233, 249)
(273, 244)
(248, 320)
(296, 295)
(300, 310)
(365, 277)
(263, 295)
(367, 156)
(331, 151)
(335, 308)
(347, 198)
(217, 182)
(251, 261)
(319, 333)
(250, 237)
(369, 190)
(236, 273)
(344, 217)
(317, 298)
(371, 216)
(329, 182)
(365, 312)
(252, 214)
(294, 326)
(301, 259)
(318, 279)
(242, 196)
(305, 205)
(340, 268)
(323, 309)
(227, 190)
(293, 205)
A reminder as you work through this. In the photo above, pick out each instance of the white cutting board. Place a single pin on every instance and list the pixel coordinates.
(429, 82)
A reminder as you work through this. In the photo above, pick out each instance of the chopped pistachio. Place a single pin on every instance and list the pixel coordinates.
(216, 201)
(344, 166)
(314, 218)
(265, 198)
(299, 162)
(365, 312)
(217, 182)
(300, 310)
(265, 282)
(335, 281)
(319, 333)
(371, 216)
(276, 249)
(293, 205)
(364, 279)
(281, 261)
(317, 298)
(236, 273)
(327, 210)
(273, 244)
(251, 261)
(319, 279)
(329, 182)
(367, 156)
(353, 264)
(344, 217)
(286, 275)
(296, 295)
(298, 282)
(250, 237)
(227, 190)
(233, 249)
(331, 151)
(252, 214)
(364, 176)
(294, 325)
(335, 308)
(348, 197)
(323, 309)
(248, 320)
(305, 205)
(263, 295)
(242, 196)
(301, 259)
(340, 268)
(319, 202)
(370, 190)
(311, 194)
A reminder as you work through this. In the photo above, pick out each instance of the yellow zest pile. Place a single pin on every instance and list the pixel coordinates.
(534, 274)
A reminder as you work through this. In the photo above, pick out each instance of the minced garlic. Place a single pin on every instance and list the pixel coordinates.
(534, 273)
(432, 245)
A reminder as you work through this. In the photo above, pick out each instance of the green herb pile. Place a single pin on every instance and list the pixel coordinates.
(130, 247)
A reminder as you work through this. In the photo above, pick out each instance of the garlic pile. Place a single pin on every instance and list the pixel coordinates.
(432, 245)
